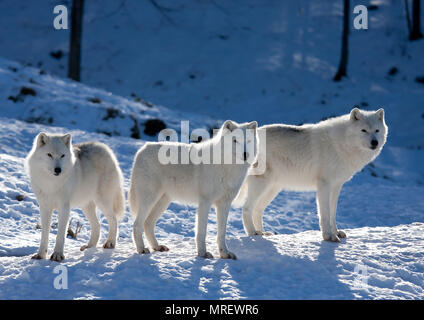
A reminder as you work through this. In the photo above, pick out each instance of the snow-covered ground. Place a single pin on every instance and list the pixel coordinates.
(245, 60)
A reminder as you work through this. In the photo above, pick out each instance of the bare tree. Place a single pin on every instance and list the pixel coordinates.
(342, 71)
(74, 67)
(408, 19)
(415, 32)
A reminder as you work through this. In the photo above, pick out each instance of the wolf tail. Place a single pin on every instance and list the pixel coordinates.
(119, 203)
(132, 200)
(241, 196)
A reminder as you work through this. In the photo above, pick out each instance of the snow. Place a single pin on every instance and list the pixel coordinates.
(287, 266)
(270, 62)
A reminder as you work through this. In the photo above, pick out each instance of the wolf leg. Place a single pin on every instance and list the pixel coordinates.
(112, 222)
(149, 224)
(261, 205)
(90, 213)
(138, 232)
(62, 228)
(323, 204)
(146, 203)
(334, 197)
(256, 186)
(46, 218)
(201, 229)
(106, 206)
(222, 210)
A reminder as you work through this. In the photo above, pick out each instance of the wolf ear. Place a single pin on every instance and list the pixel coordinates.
(355, 114)
(229, 125)
(67, 139)
(380, 114)
(252, 125)
(42, 139)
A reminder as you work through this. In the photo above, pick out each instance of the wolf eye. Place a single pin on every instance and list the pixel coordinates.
(49, 155)
(235, 140)
(363, 130)
(377, 131)
(62, 155)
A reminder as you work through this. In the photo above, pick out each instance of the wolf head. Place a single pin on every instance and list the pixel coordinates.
(367, 129)
(52, 154)
(240, 140)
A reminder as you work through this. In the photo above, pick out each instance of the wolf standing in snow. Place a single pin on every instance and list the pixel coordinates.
(65, 176)
(313, 157)
(154, 184)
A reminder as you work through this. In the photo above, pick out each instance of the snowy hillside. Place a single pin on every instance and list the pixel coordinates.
(207, 61)
(28, 95)
(270, 61)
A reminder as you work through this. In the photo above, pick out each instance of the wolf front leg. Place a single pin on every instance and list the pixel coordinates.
(46, 218)
(222, 210)
(323, 204)
(201, 229)
(334, 197)
(62, 228)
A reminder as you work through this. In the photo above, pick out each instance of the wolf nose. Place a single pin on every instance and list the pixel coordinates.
(374, 143)
(57, 170)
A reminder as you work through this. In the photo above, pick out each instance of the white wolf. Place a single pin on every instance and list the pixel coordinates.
(313, 157)
(154, 185)
(65, 176)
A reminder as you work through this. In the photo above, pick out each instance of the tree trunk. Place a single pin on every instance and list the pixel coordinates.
(415, 32)
(75, 40)
(342, 71)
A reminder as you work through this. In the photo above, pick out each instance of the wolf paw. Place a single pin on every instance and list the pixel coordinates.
(207, 255)
(86, 247)
(331, 237)
(228, 255)
(161, 248)
(143, 251)
(38, 256)
(57, 256)
(341, 234)
(263, 233)
(109, 244)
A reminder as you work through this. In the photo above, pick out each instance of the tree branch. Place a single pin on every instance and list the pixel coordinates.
(163, 11)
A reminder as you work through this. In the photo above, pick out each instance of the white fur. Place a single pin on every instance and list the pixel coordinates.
(155, 185)
(313, 157)
(90, 176)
